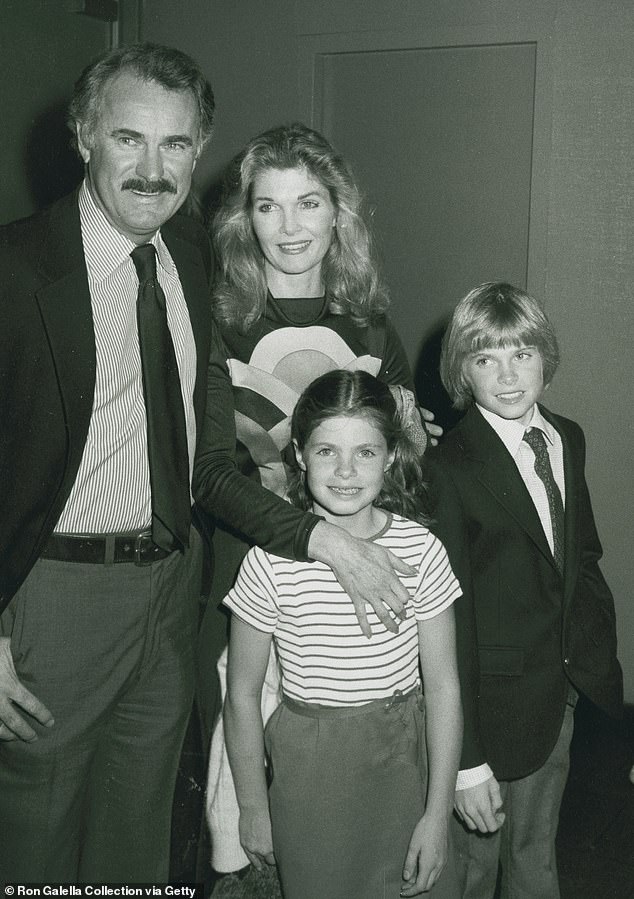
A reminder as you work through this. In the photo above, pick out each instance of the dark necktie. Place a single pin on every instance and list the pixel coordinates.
(535, 439)
(166, 431)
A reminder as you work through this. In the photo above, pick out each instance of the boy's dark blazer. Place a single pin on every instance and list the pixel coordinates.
(47, 368)
(536, 630)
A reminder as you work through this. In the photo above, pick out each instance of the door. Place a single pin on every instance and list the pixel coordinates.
(442, 140)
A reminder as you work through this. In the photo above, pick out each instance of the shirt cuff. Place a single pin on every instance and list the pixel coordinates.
(472, 777)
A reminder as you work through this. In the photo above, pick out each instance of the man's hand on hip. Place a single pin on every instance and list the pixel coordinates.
(14, 696)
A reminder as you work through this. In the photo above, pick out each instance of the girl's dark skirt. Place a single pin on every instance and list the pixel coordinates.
(348, 787)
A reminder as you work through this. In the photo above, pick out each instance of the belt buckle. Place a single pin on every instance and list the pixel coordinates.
(392, 700)
(141, 542)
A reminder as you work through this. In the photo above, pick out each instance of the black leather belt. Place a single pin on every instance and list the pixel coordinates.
(103, 549)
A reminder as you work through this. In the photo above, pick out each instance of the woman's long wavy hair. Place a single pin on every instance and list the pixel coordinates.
(353, 394)
(349, 269)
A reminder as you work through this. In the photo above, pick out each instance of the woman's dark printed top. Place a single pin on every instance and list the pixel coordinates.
(254, 382)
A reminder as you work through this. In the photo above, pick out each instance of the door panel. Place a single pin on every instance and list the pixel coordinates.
(441, 140)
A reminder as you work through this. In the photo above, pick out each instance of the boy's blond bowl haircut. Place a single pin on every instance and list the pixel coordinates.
(494, 315)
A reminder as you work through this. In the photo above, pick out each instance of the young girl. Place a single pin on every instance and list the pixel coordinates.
(349, 814)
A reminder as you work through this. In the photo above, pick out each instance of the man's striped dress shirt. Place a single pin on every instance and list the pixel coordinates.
(112, 490)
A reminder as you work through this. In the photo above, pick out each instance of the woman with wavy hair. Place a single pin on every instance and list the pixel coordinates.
(298, 294)
(345, 271)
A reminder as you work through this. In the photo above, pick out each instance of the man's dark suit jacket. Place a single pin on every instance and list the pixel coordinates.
(47, 368)
(536, 631)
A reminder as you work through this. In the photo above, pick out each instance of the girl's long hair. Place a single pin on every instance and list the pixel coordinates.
(349, 269)
(352, 394)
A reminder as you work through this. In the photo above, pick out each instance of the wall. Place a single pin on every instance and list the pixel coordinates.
(253, 53)
(590, 270)
(44, 48)
(249, 51)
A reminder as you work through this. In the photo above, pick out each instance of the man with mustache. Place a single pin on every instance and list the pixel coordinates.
(105, 337)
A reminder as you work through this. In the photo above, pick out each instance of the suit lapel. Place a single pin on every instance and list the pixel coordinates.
(497, 472)
(64, 301)
(65, 307)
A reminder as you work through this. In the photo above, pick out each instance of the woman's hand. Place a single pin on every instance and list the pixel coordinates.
(435, 431)
(366, 571)
(256, 838)
(426, 857)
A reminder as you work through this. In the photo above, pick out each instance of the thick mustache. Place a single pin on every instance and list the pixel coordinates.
(149, 187)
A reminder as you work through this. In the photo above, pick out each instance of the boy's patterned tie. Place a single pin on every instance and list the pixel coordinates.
(166, 431)
(535, 439)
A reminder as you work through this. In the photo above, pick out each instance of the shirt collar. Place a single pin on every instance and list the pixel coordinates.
(511, 433)
(105, 248)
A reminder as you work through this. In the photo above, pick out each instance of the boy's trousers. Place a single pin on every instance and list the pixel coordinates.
(524, 847)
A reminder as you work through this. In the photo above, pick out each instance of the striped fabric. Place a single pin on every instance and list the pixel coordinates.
(323, 654)
(112, 489)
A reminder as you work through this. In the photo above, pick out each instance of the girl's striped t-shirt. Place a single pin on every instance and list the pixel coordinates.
(323, 654)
